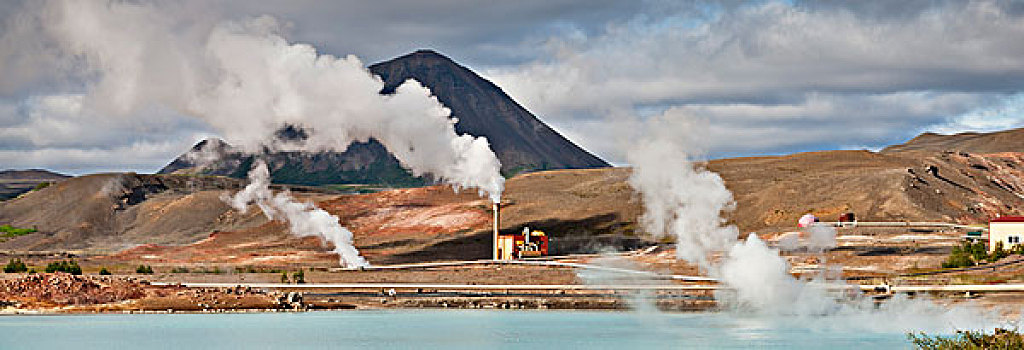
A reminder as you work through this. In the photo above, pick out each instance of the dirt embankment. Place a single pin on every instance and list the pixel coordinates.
(61, 292)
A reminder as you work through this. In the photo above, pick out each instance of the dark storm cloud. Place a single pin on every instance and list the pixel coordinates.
(477, 33)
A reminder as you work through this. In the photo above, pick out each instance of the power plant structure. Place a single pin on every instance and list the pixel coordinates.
(516, 246)
(529, 244)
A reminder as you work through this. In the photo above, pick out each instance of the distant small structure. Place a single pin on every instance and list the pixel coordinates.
(848, 219)
(527, 244)
(1005, 229)
(807, 220)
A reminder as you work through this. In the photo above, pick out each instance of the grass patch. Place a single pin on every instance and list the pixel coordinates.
(9, 231)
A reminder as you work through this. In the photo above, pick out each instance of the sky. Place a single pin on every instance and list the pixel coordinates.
(762, 77)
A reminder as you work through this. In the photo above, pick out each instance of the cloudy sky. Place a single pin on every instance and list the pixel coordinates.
(763, 77)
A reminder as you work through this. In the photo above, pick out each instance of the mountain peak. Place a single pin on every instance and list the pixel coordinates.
(522, 142)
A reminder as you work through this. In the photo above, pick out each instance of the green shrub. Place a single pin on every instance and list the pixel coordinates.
(998, 253)
(179, 270)
(64, 266)
(978, 251)
(15, 266)
(105, 272)
(1000, 339)
(41, 185)
(144, 269)
(284, 277)
(299, 277)
(961, 256)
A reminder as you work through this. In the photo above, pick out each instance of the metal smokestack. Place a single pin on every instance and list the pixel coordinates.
(497, 222)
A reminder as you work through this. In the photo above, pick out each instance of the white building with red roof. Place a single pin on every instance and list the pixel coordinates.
(1006, 229)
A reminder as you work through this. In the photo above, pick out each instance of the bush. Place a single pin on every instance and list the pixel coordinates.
(179, 270)
(41, 185)
(144, 269)
(1001, 339)
(64, 266)
(15, 266)
(284, 277)
(961, 256)
(105, 272)
(998, 253)
(978, 251)
(299, 277)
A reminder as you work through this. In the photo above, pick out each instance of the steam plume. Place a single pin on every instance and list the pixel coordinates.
(304, 219)
(686, 200)
(244, 79)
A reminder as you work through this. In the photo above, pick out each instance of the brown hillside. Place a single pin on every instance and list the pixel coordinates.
(182, 218)
(972, 142)
(15, 182)
(109, 212)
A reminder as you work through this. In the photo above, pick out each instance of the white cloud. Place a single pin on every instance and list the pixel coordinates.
(1005, 114)
(140, 156)
(767, 77)
(776, 77)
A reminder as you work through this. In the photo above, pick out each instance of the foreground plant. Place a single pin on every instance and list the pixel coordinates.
(1000, 339)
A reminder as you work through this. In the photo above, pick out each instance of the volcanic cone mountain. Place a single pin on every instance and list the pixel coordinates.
(522, 142)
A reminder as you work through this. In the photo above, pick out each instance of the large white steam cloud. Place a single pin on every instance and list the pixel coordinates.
(304, 219)
(685, 200)
(247, 81)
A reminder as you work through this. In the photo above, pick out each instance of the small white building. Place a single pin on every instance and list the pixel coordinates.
(1006, 229)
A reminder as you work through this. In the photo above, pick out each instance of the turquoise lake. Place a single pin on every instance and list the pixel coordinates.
(428, 329)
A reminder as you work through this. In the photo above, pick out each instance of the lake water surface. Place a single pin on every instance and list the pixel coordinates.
(428, 329)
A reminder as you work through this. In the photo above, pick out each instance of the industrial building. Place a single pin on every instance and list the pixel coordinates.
(517, 246)
(1005, 229)
(525, 245)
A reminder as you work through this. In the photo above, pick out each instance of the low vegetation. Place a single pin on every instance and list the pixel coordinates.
(969, 254)
(15, 266)
(144, 269)
(215, 270)
(299, 277)
(9, 231)
(105, 272)
(1000, 339)
(67, 266)
(254, 269)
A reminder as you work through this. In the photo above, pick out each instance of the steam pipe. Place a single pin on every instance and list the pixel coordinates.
(497, 222)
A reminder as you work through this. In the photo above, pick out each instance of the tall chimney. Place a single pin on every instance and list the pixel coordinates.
(497, 222)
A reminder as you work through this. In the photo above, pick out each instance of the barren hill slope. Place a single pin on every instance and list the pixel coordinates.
(944, 186)
(182, 218)
(109, 212)
(973, 142)
(16, 182)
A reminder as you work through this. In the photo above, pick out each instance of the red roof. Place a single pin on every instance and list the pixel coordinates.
(1008, 219)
